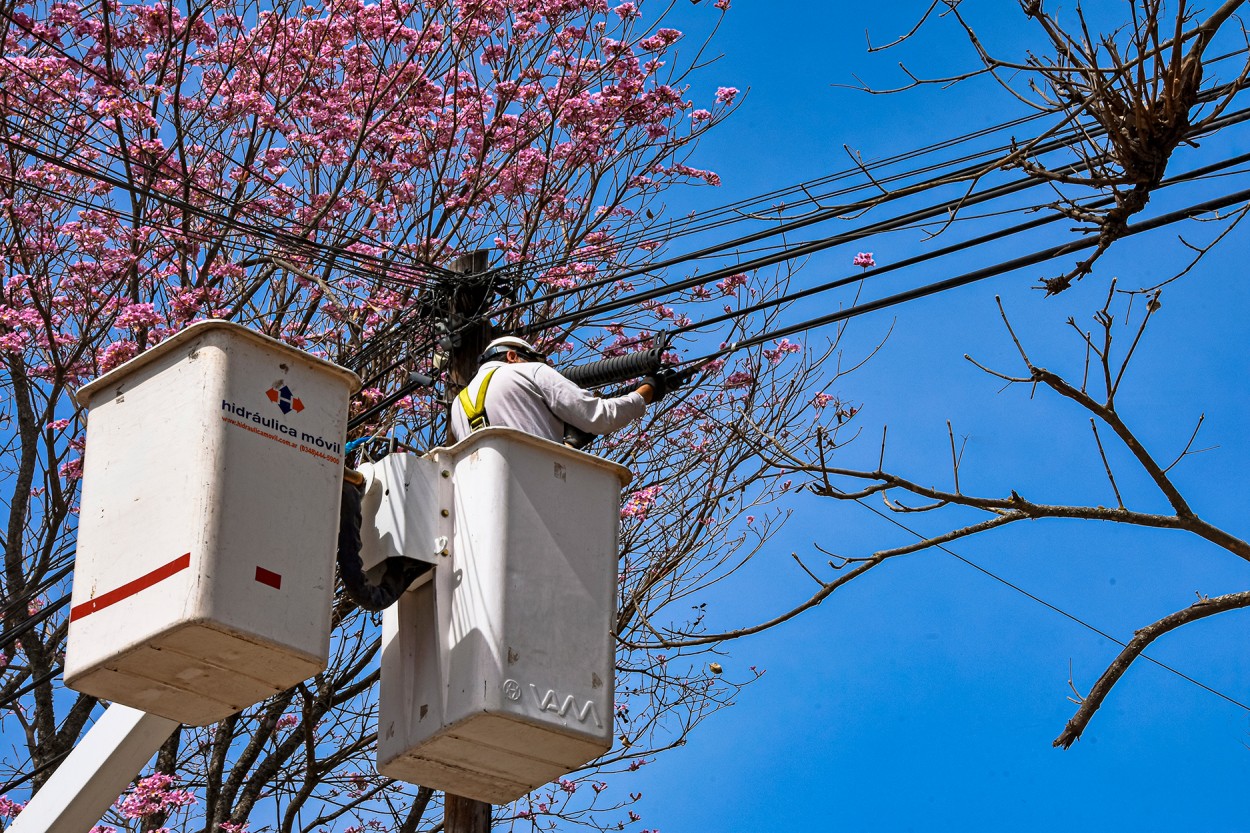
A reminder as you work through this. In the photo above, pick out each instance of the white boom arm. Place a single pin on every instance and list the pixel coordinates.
(105, 761)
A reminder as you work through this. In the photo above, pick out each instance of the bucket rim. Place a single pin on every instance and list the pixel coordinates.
(199, 328)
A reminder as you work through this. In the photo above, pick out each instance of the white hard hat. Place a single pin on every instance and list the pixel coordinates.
(505, 343)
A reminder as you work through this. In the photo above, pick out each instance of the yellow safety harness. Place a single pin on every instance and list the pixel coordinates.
(475, 409)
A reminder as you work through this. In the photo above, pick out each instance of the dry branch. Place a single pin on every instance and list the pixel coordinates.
(1141, 640)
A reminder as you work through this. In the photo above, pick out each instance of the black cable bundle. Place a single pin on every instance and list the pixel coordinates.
(616, 369)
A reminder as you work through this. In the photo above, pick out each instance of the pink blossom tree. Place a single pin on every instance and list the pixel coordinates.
(309, 170)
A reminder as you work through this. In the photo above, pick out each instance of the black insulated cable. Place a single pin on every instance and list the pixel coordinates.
(1033, 259)
(1103, 202)
(616, 369)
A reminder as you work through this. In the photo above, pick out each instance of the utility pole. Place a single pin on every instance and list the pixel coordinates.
(469, 299)
(468, 302)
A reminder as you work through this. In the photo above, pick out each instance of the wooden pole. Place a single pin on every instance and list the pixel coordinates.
(460, 814)
(468, 301)
(464, 815)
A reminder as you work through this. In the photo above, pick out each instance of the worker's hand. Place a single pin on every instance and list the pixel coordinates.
(662, 383)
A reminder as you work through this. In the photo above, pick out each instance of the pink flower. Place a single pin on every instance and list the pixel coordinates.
(660, 40)
(864, 259)
(137, 315)
(730, 284)
(783, 348)
(151, 795)
(9, 809)
(725, 95)
(640, 502)
(72, 470)
(117, 353)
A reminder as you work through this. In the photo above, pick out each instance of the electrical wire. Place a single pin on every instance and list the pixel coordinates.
(1058, 141)
(129, 161)
(30, 593)
(294, 242)
(618, 278)
(57, 47)
(273, 234)
(1067, 247)
(31, 622)
(932, 211)
(580, 288)
(585, 313)
(42, 679)
(1072, 617)
(51, 763)
(974, 276)
(1187, 177)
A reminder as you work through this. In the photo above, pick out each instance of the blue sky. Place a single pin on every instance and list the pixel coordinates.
(926, 695)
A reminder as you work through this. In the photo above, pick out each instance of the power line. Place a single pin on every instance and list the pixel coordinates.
(31, 622)
(151, 169)
(909, 295)
(1189, 176)
(1058, 141)
(293, 241)
(51, 763)
(974, 276)
(660, 291)
(1072, 617)
(272, 234)
(892, 300)
(932, 211)
(618, 277)
(30, 593)
(42, 679)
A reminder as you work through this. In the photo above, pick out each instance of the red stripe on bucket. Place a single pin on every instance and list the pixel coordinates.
(269, 577)
(130, 588)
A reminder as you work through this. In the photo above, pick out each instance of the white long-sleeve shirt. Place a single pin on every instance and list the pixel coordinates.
(535, 398)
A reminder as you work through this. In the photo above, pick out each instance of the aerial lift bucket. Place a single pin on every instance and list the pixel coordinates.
(205, 564)
(497, 673)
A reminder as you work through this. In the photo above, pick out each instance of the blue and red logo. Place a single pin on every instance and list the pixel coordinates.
(284, 399)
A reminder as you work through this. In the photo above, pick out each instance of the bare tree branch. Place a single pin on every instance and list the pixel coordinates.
(1141, 640)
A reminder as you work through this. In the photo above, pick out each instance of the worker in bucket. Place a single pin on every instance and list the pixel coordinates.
(516, 388)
